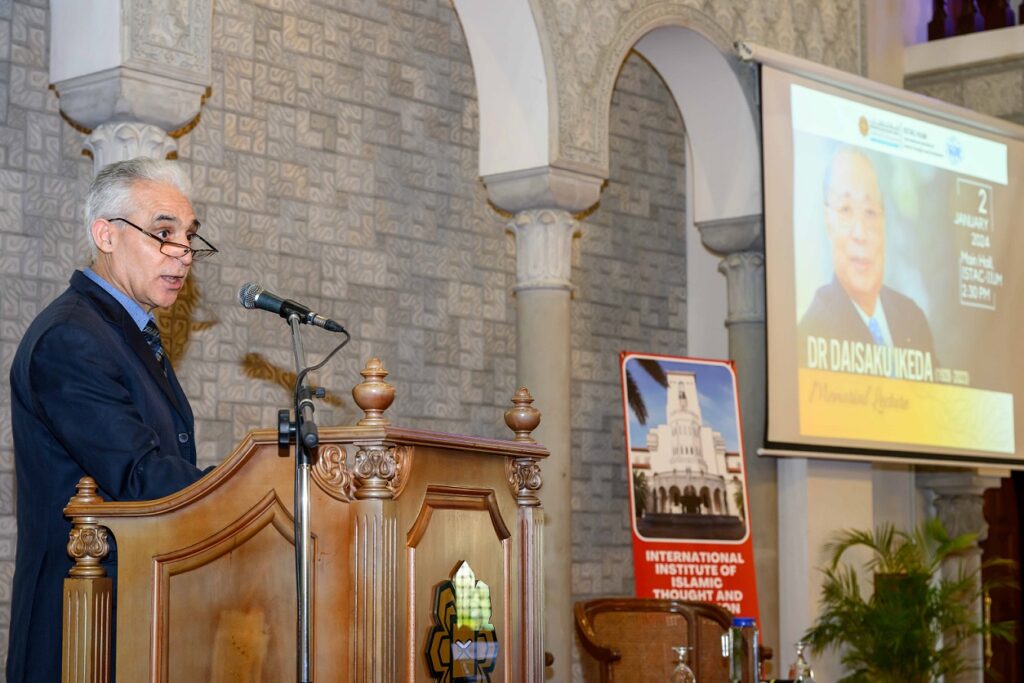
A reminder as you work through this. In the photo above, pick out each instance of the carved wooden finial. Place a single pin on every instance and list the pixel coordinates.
(86, 492)
(522, 418)
(87, 540)
(373, 395)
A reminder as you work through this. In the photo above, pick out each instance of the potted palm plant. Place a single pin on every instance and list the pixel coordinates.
(910, 629)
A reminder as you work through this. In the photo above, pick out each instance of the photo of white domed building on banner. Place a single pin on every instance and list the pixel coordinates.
(685, 465)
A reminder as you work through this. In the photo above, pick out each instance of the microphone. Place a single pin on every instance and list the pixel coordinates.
(252, 295)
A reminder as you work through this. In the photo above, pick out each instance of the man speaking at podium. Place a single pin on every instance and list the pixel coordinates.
(93, 393)
(855, 307)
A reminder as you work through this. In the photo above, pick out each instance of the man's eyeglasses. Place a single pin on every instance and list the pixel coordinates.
(173, 248)
(848, 213)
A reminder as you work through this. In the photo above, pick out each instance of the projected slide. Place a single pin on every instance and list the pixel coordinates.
(889, 275)
(919, 196)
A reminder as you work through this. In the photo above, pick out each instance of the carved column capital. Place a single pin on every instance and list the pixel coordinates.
(741, 239)
(375, 468)
(729, 235)
(744, 275)
(544, 248)
(157, 74)
(959, 499)
(545, 186)
(962, 514)
(87, 540)
(112, 142)
(525, 480)
(87, 546)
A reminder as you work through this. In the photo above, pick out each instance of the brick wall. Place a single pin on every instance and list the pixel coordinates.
(336, 162)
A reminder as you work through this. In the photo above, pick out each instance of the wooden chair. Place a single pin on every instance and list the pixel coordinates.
(631, 639)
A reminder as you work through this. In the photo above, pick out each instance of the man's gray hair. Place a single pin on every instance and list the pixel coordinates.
(110, 194)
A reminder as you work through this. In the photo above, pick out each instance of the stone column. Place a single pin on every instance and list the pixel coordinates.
(816, 498)
(543, 202)
(112, 142)
(132, 75)
(741, 240)
(959, 503)
(544, 364)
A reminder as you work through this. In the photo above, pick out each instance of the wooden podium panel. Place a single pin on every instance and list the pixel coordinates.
(426, 558)
(224, 614)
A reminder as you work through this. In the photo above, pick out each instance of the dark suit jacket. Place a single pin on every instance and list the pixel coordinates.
(832, 314)
(88, 397)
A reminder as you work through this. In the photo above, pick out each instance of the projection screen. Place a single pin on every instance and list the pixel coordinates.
(893, 256)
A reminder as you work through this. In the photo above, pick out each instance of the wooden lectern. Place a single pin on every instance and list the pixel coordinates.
(426, 562)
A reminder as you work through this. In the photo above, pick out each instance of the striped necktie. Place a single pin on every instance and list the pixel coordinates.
(152, 335)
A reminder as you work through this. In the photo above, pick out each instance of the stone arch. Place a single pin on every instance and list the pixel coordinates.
(512, 83)
(714, 93)
(518, 95)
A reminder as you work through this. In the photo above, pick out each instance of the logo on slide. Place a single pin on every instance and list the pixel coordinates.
(862, 126)
(954, 150)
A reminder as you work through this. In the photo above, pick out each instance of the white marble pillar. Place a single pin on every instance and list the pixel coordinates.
(544, 361)
(959, 504)
(130, 75)
(543, 202)
(741, 241)
(816, 498)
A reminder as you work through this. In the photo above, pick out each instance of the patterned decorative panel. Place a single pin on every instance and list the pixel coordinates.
(590, 38)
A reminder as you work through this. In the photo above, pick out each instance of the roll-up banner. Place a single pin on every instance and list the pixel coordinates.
(688, 493)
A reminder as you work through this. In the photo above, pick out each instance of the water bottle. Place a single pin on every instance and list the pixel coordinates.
(743, 651)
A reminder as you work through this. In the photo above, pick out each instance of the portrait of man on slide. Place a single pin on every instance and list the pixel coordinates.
(856, 306)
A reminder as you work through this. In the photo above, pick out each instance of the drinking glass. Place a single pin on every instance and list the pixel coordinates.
(801, 669)
(682, 673)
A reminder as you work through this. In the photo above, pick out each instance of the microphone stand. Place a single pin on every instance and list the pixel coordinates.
(305, 437)
(305, 442)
